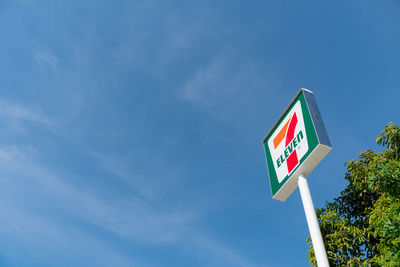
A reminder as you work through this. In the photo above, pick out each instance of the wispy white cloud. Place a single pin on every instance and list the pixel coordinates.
(143, 220)
(46, 60)
(211, 83)
(205, 84)
(219, 89)
(31, 195)
(14, 115)
(219, 85)
(146, 174)
(177, 228)
(130, 218)
(216, 253)
(32, 235)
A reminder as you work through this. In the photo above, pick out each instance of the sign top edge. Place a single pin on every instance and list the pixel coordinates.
(284, 112)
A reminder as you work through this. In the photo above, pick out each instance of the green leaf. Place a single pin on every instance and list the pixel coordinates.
(361, 227)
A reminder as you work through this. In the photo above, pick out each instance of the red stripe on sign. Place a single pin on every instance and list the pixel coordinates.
(290, 132)
(292, 161)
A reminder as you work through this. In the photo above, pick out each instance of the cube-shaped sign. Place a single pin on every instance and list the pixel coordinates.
(295, 145)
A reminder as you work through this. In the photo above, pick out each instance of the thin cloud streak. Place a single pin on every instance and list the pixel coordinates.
(130, 219)
(46, 60)
(206, 84)
(14, 112)
(215, 251)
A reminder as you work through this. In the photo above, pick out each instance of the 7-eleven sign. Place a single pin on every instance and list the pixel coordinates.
(295, 144)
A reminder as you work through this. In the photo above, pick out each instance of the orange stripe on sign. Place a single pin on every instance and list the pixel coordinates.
(278, 139)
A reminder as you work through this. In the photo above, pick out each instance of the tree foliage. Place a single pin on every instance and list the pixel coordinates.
(362, 226)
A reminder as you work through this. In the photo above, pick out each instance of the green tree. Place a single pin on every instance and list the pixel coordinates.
(362, 226)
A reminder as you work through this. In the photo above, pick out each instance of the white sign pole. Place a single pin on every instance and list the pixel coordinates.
(313, 226)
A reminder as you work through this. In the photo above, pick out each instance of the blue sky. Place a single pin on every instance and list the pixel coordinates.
(131, 130)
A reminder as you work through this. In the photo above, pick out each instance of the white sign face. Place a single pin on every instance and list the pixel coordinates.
(295, 145)
(288, 145)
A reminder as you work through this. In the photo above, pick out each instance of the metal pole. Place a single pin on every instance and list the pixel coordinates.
(313, 226)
